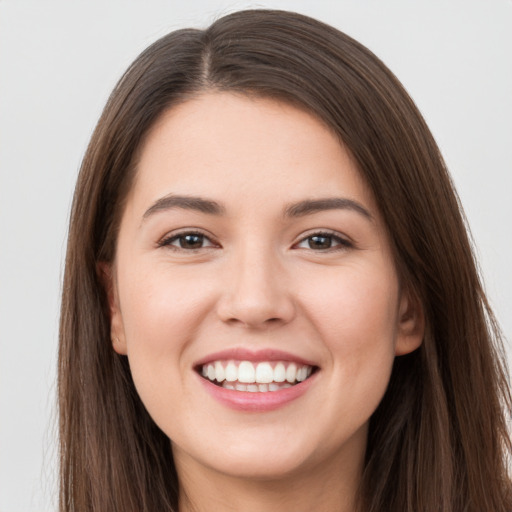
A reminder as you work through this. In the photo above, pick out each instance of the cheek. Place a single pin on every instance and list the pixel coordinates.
(160, 307)
(357, 316)
(161, 313)
(359, 303)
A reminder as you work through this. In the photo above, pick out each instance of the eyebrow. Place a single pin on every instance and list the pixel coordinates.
(300, 209)
(310, 206)
(186, 203)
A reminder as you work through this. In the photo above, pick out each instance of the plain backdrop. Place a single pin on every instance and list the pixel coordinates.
(58, 63)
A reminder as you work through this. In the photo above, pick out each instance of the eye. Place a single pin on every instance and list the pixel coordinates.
(190, 240)
(323, 242)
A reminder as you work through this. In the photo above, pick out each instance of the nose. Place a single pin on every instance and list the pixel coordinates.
(255, 292)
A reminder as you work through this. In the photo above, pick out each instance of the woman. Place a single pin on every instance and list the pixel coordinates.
(270, 299)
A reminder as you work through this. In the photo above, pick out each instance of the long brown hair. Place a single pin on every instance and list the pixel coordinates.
(438, 441)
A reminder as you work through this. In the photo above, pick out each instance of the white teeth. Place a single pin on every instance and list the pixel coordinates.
(220, 374)
(255, 388)
(291, 373)
(279, 373)
(247, 376)
(264, 373)
(246, 372)
(231, 372)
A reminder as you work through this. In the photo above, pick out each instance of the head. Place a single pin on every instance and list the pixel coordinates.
(426, 428)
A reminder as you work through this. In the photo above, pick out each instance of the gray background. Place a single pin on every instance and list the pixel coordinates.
(58, 63)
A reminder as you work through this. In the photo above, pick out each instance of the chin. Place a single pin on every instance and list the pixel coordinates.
(260, 467)
(265, 455)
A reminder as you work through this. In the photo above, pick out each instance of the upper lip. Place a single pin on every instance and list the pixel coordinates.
(244, 354)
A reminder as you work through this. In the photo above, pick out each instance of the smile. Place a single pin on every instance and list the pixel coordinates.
(255, 377)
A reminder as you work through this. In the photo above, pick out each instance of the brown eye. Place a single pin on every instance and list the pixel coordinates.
(320, 242)
(191, 241)
(187, 241)
(324, 242)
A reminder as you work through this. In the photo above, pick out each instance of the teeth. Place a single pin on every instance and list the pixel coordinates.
(254, 377)
(302, 374)
(231, 372)
(264, 373)
(291, 373)
(220, 374)
(279, 373)
(256, 388)
(246, 372)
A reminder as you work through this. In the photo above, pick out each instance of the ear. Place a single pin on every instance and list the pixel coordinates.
(107, 277)
(411, 324)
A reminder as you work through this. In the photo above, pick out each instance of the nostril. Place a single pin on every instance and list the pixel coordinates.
(253, 321)
(252, 302)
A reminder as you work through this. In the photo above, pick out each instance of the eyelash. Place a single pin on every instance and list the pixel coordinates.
(168, 241)
(342, 243)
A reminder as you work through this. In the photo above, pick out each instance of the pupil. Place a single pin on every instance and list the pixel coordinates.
(191, 241)
(320, 242)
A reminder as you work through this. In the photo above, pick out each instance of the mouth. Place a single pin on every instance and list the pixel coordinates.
(256, 377)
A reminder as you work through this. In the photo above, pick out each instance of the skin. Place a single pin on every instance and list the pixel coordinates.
(257, 282)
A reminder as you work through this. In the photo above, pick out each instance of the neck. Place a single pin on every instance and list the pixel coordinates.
(331, 486)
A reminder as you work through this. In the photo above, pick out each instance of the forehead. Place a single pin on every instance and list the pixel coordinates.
(234, 146)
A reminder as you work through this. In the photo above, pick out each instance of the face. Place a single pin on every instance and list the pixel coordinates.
(254, 291)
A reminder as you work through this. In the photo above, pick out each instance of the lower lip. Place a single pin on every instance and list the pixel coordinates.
(257, 401)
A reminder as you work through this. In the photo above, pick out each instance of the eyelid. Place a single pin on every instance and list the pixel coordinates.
(168, 238)
(344, 241)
